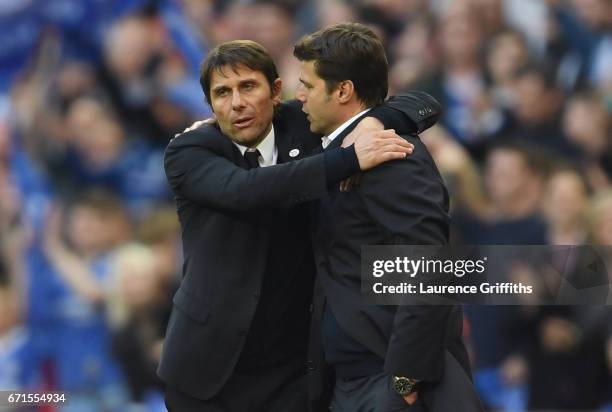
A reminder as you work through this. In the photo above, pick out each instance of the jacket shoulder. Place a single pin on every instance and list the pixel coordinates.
(207, 136)
(291, 123)
(289, 115)
(416, 166)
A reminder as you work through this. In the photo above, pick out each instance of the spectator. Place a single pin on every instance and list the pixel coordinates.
(99, 153)
(506, 53)
(600, 225)
(133, 306)
(412, 54)
(501, 335)
(535, 115)
(564, 206)
(132, 55)
(513, 181)
(459, 171)
(586, 124)
(601, 218)
(160, 231)
(95, 227)
(460, 84)
(20, 356)
(18, 368)
(585, 31)
(567, 365)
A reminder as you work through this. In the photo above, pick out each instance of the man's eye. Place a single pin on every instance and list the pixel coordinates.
(222, 93)
(249, 86)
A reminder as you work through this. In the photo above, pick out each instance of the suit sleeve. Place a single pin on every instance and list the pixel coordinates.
(411, 112)
(409, 202)
(200, 174)
(408, 113)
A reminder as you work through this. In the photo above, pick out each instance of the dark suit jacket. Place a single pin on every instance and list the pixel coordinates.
(399, 202)
(226, 215)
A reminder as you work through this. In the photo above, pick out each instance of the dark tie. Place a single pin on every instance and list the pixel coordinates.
(252, 158)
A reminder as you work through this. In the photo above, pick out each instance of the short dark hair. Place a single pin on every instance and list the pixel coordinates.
(545, 73)
(348, 51)
(237, 53)
(536, 158)
(101, 200)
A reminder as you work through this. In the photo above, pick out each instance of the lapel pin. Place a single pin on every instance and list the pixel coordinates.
(294, 152)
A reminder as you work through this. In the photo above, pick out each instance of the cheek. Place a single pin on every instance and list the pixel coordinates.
(221, 112)
(321, 106)
(312, 104)
(264, 110)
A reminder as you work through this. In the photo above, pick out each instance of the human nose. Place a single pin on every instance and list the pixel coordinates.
(300, 94)
(237, 100)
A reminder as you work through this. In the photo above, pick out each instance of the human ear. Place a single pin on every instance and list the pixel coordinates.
(345, 90)
(277, 88)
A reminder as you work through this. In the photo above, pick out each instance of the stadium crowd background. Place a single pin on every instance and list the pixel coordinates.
(91, 91)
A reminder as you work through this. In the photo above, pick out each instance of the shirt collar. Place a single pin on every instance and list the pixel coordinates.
(267, 149)
(343, 126)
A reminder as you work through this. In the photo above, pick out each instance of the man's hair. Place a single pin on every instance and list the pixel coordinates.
(348, 51)
(543, 72)
(536, 159)
(234, 54)
(101, 200)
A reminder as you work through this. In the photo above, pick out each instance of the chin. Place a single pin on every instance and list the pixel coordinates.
(246, 139)
(315, 129)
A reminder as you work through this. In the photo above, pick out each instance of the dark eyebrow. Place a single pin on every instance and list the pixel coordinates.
(305, 83)
(219, 88)
(247, 81)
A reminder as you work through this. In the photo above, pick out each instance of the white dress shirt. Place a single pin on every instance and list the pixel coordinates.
(326, 140)
(268, 153)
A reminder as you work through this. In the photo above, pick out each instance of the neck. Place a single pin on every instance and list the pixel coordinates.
(346, 114)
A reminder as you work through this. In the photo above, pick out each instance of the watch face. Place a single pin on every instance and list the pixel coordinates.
(403, 386)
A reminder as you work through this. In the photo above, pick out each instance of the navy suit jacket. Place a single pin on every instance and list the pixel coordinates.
(228, 215)
(399, 202)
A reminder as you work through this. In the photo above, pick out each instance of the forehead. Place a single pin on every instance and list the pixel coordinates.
(566, 179)
(503, 156)
(228, 75)
(308, 72)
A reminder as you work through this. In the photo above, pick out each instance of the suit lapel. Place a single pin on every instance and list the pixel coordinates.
(288, 145)
(284, 145)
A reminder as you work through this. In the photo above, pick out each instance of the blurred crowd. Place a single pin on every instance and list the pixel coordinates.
(91, 91)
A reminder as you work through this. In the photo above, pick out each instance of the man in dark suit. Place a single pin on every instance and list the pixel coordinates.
(385, 358)
(237, 336)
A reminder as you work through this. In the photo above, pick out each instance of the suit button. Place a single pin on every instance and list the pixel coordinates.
(310, 365)
(256, 295)
(311, 308)
(242, 333)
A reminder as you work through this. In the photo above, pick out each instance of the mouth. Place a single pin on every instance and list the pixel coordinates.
(243, 122)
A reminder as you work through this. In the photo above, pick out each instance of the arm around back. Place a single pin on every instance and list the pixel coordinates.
(198, 168)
